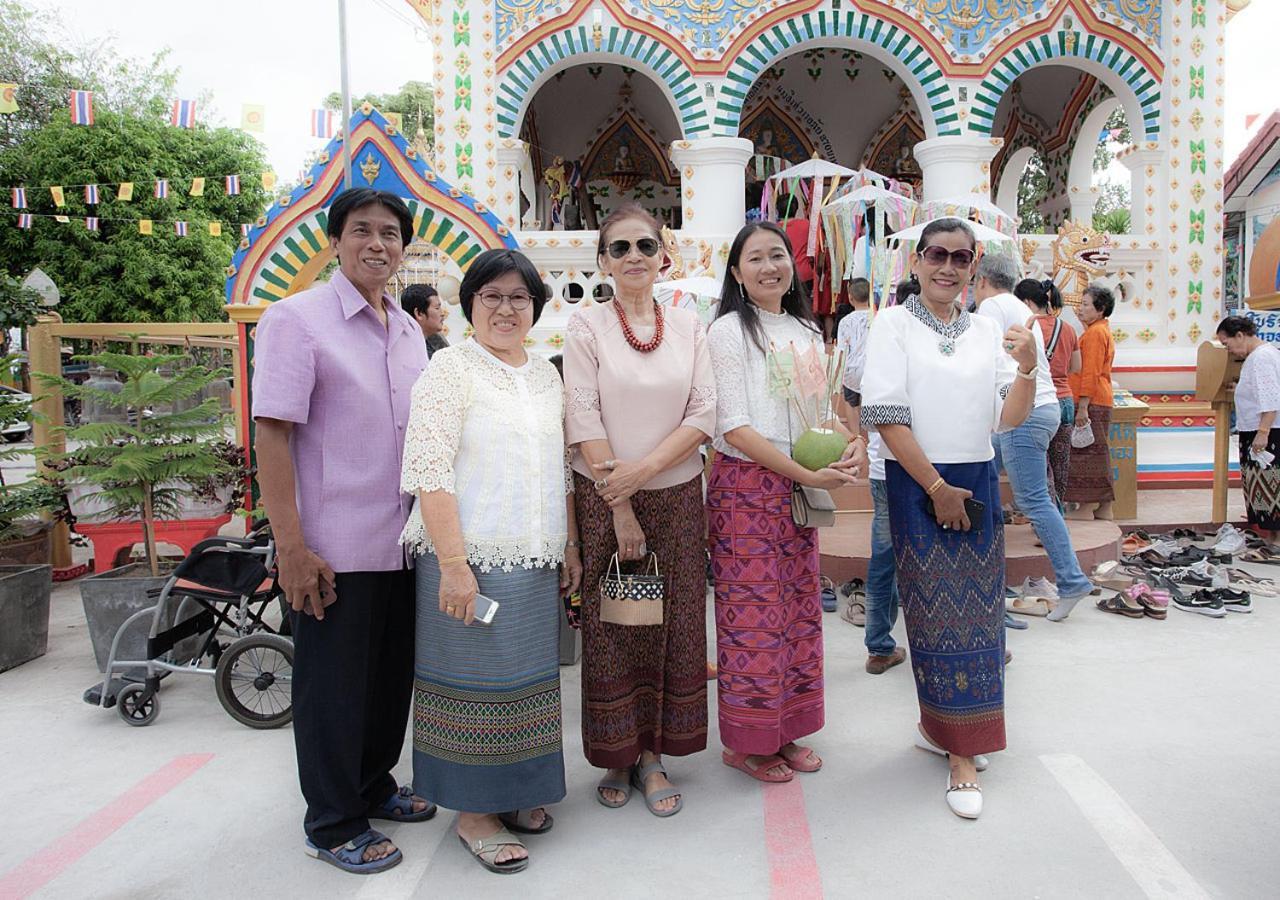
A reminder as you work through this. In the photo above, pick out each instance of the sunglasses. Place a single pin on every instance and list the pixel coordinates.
(519, 300)
(937, 256)
(647, 246)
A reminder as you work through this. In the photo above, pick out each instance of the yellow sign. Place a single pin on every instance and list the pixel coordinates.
(58, 198)
(144, 226)
(197, 186)
(215, 229)
(253, 117)
(125, 194)
(268, 181)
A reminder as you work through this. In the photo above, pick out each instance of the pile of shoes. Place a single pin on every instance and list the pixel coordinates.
(854, 594)
(1187, 570)
(1034, 597)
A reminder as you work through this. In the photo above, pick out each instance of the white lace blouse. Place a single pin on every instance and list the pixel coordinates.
(1258, 390)
(743, 390)
(492, 435)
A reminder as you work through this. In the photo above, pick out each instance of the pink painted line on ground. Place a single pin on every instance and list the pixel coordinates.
(51, 861)
(793, 869)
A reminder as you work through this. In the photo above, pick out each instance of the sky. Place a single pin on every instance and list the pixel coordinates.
(283, 54)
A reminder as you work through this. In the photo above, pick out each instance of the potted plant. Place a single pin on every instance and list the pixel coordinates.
(140, 470)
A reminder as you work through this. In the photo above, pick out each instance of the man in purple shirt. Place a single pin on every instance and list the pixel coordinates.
(334, 368)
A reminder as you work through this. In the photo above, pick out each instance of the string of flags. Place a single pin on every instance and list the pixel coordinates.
(180, 227)
(323, 123)
(124, 191)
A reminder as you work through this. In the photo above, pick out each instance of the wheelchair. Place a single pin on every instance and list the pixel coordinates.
(220, 596)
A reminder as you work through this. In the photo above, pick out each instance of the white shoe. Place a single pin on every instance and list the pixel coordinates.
(979, 761)
(1039, 588)
(1230, 540)
(965, 798)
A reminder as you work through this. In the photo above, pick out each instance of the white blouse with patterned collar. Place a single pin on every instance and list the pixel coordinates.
(492, 435)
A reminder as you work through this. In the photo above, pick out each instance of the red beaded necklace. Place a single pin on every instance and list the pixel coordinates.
(650, 345)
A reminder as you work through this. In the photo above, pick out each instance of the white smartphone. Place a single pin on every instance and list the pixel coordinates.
(485, 609)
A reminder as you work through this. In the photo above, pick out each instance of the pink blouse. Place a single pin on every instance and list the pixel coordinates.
(635, 400)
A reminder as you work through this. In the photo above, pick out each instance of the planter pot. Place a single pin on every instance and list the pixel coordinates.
(111, 598)
(24, 613)
(32, 549)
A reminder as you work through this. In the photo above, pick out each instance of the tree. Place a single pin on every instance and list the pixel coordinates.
(1116, 124)
(1033, 187)
(413, 99)
(118, 274)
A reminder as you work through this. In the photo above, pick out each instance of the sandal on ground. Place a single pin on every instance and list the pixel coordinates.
(761, 772)
(639, 774)
(1264, 555)
(965, 798)
(830, 602)
(1262, 586)
(613, 783)
(1026, 606)
(521, 821)
(350, 856)
(486, 850)
(399, 807)
(802, 760)
(1125, 603)
(980, 762)
(856, 612)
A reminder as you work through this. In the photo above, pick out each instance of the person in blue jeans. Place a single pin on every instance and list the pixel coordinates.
(882, 574)
(1023, 452)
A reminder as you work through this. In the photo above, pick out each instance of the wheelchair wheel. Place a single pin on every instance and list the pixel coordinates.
(133, 709)
(254, 680)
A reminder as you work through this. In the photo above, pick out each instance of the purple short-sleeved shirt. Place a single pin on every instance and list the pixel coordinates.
(323, 361)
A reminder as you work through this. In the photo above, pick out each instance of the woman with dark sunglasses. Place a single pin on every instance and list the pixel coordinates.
(938, 382)
(641, 400)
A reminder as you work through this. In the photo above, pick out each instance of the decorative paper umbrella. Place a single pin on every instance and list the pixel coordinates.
(983, 233)
(813, 168)
(700, 294)
(975, 208)
(848, 217)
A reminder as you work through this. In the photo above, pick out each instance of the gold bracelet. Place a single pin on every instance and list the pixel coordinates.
(450, 560)
(936, 486)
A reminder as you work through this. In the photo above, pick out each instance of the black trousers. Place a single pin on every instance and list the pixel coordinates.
(352, 685)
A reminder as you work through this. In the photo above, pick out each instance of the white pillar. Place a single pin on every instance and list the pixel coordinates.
(513, 159)
(713, 196)
(1082, 202)
(956, 165)
(1147, 167)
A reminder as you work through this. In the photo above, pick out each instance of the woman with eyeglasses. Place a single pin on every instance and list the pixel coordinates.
(767, 597)
(938, 382)
(484, 455)
(641, 400)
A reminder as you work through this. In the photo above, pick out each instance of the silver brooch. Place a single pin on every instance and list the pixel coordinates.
(947, 347)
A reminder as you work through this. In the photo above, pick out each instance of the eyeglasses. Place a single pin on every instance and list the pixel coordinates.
(647, 246)
(937, 256)
(519, 300)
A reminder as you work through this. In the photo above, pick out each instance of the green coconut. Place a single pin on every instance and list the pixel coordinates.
(818, 448)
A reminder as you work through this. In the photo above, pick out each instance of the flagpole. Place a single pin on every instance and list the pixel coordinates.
(346, 93)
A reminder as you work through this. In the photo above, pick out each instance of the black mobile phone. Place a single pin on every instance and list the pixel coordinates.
(974, 509)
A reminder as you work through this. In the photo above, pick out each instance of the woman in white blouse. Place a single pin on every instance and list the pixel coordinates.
(767, 597)
(493, 523)
(641, 401)
(938, 382)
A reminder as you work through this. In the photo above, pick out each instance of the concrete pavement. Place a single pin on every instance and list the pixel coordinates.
(1141, 763)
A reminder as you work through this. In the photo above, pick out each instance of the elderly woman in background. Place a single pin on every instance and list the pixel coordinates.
(484, 454)
(768, 606)
(938, 383)
(1089, 485)
(1257, 402)
(641, 400)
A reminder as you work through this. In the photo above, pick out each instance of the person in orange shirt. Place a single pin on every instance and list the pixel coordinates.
(1089, 487)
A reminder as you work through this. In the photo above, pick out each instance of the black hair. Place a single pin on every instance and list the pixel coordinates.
(733, 299)
(1031, 290)
(842, 310)
(904, 289)
(1102, 299)
(416, 298)
(1054, 295)
(948, 225)
(350, 200)
(558, 361)
(492, 265)
(1233, 326)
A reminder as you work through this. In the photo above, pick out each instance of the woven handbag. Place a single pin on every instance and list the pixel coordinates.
(1082, 436)
(631, 599)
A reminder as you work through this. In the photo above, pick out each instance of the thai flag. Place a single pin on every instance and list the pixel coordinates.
(184, 114)
(24, 220)
(180, 229)
(162, 188)
(82, 107)
(19, 198)
(322, 123)
(233, 185)
(90, 193)
(91, 223)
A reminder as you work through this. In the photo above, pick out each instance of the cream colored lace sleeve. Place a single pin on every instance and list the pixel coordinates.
(728, 363)
(440, 400)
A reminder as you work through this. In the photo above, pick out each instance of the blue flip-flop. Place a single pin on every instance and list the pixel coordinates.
(830, 603)
(350, 856)
(399, 808)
